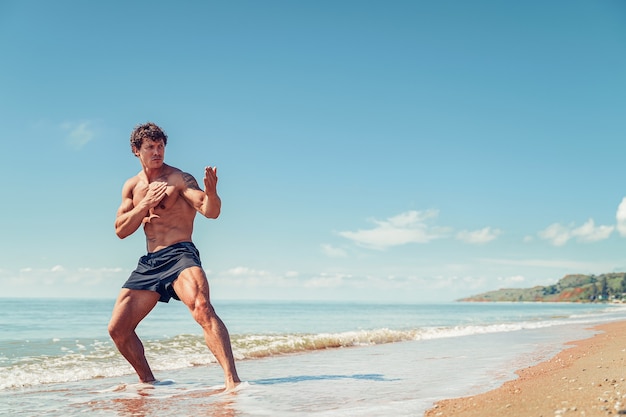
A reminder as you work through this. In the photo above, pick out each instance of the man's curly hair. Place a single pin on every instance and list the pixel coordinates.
(146, 131)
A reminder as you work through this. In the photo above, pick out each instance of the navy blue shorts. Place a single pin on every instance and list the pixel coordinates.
(157, 271)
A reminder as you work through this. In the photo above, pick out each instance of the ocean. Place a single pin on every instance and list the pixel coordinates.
(296, 358)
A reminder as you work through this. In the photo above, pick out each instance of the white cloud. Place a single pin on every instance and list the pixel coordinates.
(78, 134)
(516, 278)
(333, 252)
(621, 217)
(588, 232)
(483, 235)
(454, 283)
(244, 277)
(407, 227)
(325, 281)
(245, 272)
(59, 281)
(559, 235)
(562, 264)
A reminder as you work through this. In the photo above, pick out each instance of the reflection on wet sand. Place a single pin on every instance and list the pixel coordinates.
(147, 403)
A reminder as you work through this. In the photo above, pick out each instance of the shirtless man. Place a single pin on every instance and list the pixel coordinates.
(165, 200)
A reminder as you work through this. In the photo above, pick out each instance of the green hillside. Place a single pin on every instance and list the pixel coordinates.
(570, 288)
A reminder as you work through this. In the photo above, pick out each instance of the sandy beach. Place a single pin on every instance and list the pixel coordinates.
(587, 379)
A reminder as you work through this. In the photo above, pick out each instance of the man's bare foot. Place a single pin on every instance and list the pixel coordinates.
(231, 385)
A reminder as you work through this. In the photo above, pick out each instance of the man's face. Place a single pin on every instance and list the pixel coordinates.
(151, 153)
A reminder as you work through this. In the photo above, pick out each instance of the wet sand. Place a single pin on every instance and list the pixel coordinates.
(586, 379)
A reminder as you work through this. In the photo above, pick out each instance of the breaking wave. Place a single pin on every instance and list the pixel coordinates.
(67, 360)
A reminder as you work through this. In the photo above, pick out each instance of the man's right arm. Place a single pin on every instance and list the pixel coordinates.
(129, 217)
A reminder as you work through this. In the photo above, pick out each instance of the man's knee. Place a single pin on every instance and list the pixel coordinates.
(118, 332)
(203, 312)
(114, 331)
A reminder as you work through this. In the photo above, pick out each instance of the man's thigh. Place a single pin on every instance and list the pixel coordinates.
(192, 285)
(132, 306)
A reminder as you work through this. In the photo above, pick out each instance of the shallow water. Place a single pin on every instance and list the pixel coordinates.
(313, 359)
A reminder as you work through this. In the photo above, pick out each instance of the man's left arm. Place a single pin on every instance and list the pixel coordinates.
(207, 203)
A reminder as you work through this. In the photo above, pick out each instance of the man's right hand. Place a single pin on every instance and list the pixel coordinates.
(156, 193)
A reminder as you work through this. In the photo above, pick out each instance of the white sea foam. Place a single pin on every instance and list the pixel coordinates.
(101, 359)
(60, 355)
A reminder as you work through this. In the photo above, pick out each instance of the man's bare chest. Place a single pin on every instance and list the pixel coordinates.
(170, 199)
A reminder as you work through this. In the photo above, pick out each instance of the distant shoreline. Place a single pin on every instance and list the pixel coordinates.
(603, 288)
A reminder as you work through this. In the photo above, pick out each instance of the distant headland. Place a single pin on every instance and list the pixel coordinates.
(581, 288)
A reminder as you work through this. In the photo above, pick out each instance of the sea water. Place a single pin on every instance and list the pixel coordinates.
(326, 359)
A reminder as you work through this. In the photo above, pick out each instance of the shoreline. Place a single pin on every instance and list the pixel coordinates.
(587, 378)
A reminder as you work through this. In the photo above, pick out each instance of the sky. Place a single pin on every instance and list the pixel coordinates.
(367, 151)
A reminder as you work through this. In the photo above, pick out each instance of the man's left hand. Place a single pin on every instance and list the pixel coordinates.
(210, 180)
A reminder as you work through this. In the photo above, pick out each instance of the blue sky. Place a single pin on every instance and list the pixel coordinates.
(403, 151)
